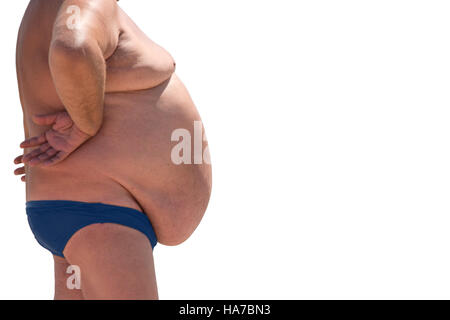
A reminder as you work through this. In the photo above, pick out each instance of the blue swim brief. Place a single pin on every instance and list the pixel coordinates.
(54, 222)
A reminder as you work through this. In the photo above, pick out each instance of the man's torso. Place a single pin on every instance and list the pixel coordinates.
(128, 162)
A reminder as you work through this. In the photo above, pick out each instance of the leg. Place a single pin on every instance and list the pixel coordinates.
(62, 291)
(116, 262)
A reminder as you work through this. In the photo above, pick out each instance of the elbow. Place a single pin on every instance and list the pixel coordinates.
(92, 126)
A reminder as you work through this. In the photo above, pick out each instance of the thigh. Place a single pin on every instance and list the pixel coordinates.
(115, 261)
(65, 281)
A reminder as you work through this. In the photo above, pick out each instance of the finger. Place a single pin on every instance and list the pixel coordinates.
(45, 155)
(35, 153)
(19, 171)
(45, 119)
(33, 142)
(63, 123)
(29, 156)
(51, 152)
(23, 178)
(38, 159)
(60, 156)
(18, 159)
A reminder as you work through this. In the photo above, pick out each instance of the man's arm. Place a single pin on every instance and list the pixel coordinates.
(85, 33)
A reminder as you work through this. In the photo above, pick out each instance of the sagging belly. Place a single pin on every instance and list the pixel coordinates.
(135, 161)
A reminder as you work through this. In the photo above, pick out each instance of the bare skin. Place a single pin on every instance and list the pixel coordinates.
(98, 117)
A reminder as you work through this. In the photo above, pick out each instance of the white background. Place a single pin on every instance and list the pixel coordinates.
(328, 123)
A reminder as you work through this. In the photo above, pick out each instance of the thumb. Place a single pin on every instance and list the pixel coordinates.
(46, 119)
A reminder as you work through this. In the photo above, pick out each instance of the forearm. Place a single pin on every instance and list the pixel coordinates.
(78, 74)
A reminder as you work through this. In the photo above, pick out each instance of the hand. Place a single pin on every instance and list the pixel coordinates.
(55, 144)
